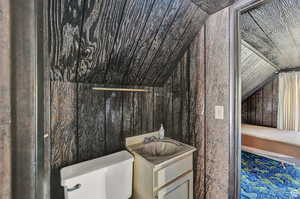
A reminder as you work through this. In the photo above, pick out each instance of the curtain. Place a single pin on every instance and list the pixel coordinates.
(289, 101)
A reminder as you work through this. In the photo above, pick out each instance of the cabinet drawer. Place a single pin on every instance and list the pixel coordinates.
(169, 173)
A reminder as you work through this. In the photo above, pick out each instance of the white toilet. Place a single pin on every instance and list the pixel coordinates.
(108, 177)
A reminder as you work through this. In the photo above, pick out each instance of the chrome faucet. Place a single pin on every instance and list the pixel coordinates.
(150, 139)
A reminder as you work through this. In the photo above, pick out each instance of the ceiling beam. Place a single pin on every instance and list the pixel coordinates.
(212, 6)
(290, 70)
(247, 45)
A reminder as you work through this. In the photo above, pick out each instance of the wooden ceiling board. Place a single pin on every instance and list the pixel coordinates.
(174, 15)
(255, 36)
(279, 24)
(102, 21)
(254, 70)
(120, 42)
(64, 38)
(212, 6)
(182, 45)
(179, 38)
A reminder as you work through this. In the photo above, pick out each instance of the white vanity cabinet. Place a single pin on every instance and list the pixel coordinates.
(163, 177)
(182, 188)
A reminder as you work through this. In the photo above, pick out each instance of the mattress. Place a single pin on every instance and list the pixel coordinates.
(273, 134)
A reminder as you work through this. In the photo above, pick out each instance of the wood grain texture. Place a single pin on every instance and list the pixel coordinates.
(120, 42)
(91, 118)
(261, 107)
(198, 108)
(253, 35)
(65, 21)
(275, 101)
(255, 70)
(159, 40)
(101, 25)
(95, 123)
(217, 93)
(168, 106)
(63, 131)
(158, 107)
(177, 101)
(171, 40)
(187, 35)
(157, 17)
(113, 121)
(147, 111)
(267, 105)
(212, 6)
(273, 29)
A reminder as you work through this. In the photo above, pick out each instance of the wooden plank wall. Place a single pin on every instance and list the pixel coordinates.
(261, 107)
(97, 123)
(86, 124)
(5, 105)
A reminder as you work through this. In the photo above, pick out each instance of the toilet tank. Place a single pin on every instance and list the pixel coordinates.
(108, 177)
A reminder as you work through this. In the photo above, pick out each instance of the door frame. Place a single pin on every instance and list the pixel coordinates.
(235, 93)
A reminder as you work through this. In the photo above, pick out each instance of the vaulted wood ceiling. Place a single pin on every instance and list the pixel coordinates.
(128, 42)
(255, 69)
(273, 31)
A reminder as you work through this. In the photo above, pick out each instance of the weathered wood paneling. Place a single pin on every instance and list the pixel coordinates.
(175, 10)
(273, 29)
(255, 70)
(256, 37)
(88, 124)
(65, 21)
(91, 118)
(63, 131)
(113, 121)
(217, 93)
(181, 33)
(158, 107)
(212, 6)
(101, 25)
(275, 101)
(157, 18)
(197, 110)
(261, 107)
(120, 42)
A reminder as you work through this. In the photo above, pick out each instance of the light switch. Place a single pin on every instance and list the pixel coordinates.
(219, 112)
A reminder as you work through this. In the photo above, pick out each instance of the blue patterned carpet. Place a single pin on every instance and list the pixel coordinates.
(262, 178)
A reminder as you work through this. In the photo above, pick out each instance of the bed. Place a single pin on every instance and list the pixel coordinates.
(274, 143)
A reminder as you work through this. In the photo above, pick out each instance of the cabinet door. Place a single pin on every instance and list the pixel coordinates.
(179, 189)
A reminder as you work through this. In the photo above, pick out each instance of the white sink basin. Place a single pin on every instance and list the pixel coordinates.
(159, 148)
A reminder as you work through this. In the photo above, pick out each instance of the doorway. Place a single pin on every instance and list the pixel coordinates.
(266, 58)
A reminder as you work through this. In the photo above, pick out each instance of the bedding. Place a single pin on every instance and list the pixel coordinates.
(282, 144)
(272, 134)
